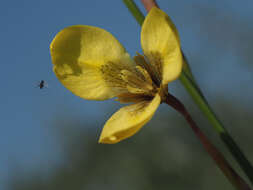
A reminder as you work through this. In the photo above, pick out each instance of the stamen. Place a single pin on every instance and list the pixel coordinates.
(140, 82)
(135, 81)
(150, 68)
(135, 90)
(110, 73)
(145, 74)
(156, 60)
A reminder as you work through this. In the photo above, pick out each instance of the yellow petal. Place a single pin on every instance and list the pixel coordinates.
(128, 120)
(78, 53)
(160, 41)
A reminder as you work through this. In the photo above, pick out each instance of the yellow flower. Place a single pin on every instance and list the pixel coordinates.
(92, 64)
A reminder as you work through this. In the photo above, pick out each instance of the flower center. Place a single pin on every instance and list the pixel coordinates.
(136, 82)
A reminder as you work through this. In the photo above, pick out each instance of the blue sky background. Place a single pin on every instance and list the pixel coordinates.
(217, 34)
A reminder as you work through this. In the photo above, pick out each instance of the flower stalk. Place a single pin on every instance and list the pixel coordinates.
(189, 83)
(215, 154)
(200, 100)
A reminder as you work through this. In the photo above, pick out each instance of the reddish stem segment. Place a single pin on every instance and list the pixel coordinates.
(148, 4)
(216, 155)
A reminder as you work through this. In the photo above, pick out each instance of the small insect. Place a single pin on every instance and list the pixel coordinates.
(42, 84)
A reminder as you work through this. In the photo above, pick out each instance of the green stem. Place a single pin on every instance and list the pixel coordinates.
(192, 88)
(239, 156)
(132, 7)
(215, 154)
(223, 133)
(201, 102)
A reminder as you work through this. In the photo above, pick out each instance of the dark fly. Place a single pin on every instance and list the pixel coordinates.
(42, 84)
